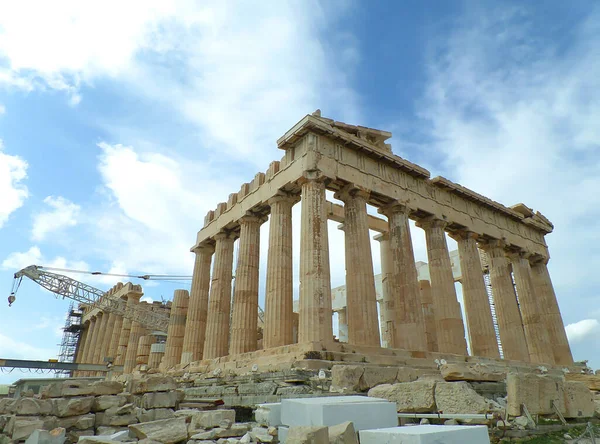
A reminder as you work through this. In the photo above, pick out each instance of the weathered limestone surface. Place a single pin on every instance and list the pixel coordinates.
(510, 325)
(428, 315)
(153, 383)
(592, 381)
(219, 305)
(166, 431)
(176, 330)
(536, 392)
(124, 336)
(579, 400)
(279, 294)
(93, 337)
(388, 301)
(480, 324)
(550, 313)
(459, 397)
(101, 319)
(357, 378)
(343, 433)
(405, 309)
(471, 372)
(245, 306)
(538, 342)
(143, 351)
(361, 299)
(307, 435)
(446, 309)
(107, 336)
(315, 280)
(116, 334)
(135, 333)
(195, 328)
(417, 396)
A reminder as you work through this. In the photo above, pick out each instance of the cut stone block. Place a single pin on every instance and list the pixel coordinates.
(426, 434)
(211, 418)
(167, 431)
(459, 397)
(471, 372)
(307, 435)
(363, 411)
(268, 415)
(72, 406)
(579, 400)
(55, 436)
(154, 383)
(343, 433)
(536, 392)
(417, 396)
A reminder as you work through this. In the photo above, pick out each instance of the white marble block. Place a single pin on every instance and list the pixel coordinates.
(427, 434)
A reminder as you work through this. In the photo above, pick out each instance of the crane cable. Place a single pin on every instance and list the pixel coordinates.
(145, 276)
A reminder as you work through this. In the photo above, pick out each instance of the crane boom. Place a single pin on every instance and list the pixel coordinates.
(78, 291)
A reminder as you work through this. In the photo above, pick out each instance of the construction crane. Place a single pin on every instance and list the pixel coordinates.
(86, 294)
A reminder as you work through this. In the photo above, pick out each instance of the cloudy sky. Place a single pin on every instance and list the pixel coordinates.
(123, 123)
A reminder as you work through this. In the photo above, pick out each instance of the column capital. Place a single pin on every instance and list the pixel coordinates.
(458, 235)
(204, 248)
(395, 207)
(282, 197)
(431, 222)
(224, 235)
(491, 244)
(252, 219)
(382, 237)
(535, 259)
(517, 254)
(350, 191)
(313, 176)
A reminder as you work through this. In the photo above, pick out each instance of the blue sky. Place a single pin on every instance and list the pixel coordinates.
(121, 125)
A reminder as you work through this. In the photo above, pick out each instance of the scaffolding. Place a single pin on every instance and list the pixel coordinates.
(70, 339)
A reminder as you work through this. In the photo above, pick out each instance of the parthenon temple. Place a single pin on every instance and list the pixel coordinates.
(218, 322)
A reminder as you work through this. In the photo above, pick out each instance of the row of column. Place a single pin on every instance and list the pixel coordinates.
(527, 326)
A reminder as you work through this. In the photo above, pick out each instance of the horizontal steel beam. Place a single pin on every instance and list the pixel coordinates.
(51, 365)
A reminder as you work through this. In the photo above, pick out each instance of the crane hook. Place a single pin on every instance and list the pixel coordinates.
(11, 299)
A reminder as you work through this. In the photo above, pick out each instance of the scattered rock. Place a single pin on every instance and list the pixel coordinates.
(451, 422)
(81, 422)
(471, 372)
(417, 396)
(54, 436)
(459, 397)
(307, 435)
(106, 388)
(210, 418)
(72, 406)
(31, 406)
(154, 414)
(567, 436)
(20, 427)
(154, 383)
(105, 402)
(268, 414)
(424, 421)
(156, 400)
(167, 431)
(343, 433)
(523, 421)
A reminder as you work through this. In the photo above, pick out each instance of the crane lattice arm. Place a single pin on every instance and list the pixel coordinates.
(78, 291)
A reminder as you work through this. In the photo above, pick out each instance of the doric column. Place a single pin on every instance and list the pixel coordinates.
(551, 317)
(245, 299)
(219, 304)
(361, 297)
(92, 339)
(81, 345)
(84, 343)
(135, 332)
(538, 342)
(446, 309)
(315, 278)
(143, 350)
(387, 311)
(176, 329)
(124, 335)
(195, 329)
(157, 352)
(279, 294)
(428, 315)
(480, 323)
(101, 327)
(342, 325)
(510, 325)
(114, 340)
(404, 306)
(107, 337)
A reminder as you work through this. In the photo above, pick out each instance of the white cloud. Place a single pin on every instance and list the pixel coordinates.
(13, 171)
(18, 349)
(2, 109)
(62, 214)
(582, 330)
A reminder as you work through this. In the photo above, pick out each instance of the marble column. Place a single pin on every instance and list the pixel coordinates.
(361, 297)
(124, 336)
(446, 309)
(219, 304)
(538, 341)
(101, 319)
(81, 349)
(176, 330)
(404, 306)
(107, 337)
(315, 275)
(244, 322)
(428, 315)
(388, 313)
(279, 294)
(133, 300)
(114, 340)
(92, 339)
(342, 325)
(510, 325)
(143, 350)
(195, 327)
(480, 323)
(157, 352)
(551, 316)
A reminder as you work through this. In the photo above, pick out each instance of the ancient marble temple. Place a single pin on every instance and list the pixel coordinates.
(360, 168)
(422, 317)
